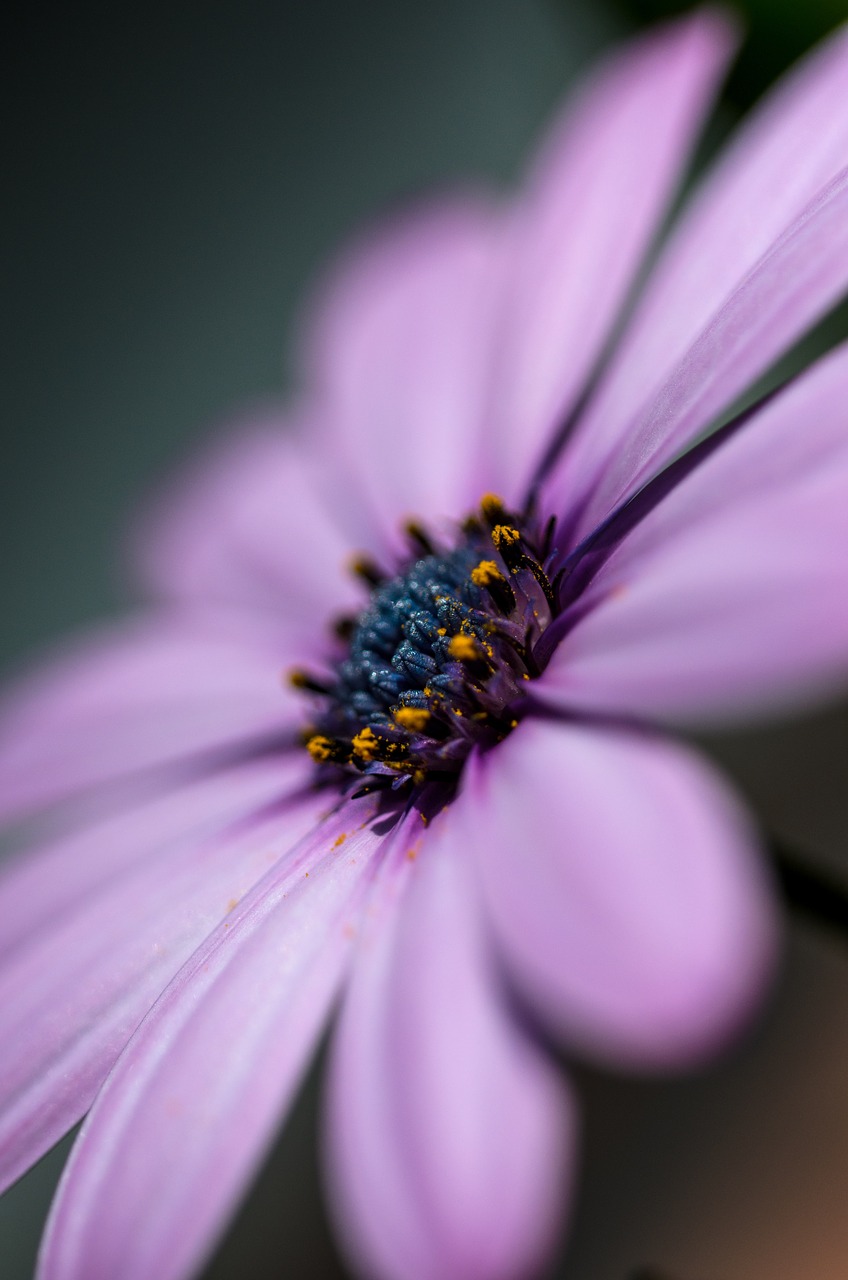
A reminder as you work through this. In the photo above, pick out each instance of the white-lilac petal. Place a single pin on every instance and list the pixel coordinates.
(244, 528)
(449, 1135)
(595, 197)
(190, 1108)
(74, 991)
(45, 882)
(624, 889)
(398, 356)
(803, 274)
(740, 223)
(138, 698)
(729, 598)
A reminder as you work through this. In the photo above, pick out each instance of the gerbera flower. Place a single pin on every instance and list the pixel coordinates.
(459, 818)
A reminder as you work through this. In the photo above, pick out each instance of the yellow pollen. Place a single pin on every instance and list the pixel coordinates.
(414, 529)
(412, 718)
(339, 840)
(320, 748)
(491, 505)
(504, 535)
(486, 573)
(364, 567)
(366, 744)
(463, 648)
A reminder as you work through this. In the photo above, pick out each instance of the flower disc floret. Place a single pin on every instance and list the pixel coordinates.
(437, 663)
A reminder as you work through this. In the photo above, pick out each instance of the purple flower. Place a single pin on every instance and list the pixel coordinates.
(490, 833)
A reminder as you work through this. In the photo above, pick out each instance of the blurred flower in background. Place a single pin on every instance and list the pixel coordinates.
(433, 372)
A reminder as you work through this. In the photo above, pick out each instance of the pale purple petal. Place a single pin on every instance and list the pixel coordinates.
(804, 273)
(40, 885)
(623, 888)
(448, 1132)
(187, 1113)
(72, 993)
(729, 598)
(770, 198)
(398, 355)
(245, 528)
(138, 696)
(598, 190)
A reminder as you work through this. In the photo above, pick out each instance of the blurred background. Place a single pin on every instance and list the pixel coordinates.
(175, 173)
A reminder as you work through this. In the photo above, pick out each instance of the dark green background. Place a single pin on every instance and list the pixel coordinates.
(173, 177)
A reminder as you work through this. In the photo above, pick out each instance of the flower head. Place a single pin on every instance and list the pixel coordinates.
(496, 557)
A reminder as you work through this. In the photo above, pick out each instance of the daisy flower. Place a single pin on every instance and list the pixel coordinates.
(510, 533)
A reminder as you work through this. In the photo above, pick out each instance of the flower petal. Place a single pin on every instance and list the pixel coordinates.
(623, 888)
(765, 229)
(598, 191)
(245, 528)
(142, 695)
(398, 355)
(183, 1120)
(38, 886)
(729, 597)
(448, 1131)
(73, 992)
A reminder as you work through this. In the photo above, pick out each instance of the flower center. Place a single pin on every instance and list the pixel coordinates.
(437, 663)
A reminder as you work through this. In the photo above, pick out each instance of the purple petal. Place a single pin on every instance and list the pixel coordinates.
(771, 199)
(139, 696)
(245, 528)
(181, 1124)
(729, 598)
(599, 189)
(448, 1131)
(623, 887)
(399, 354)
(40, 885)
(73, 992)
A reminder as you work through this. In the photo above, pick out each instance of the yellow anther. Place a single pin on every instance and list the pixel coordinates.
(365, 568)
(504, 535)
(297, 678)
(464, 648)
(320, 748)
(366, 744)
(486, 573)
(418, 534)
(492, 506)
(412, 718)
